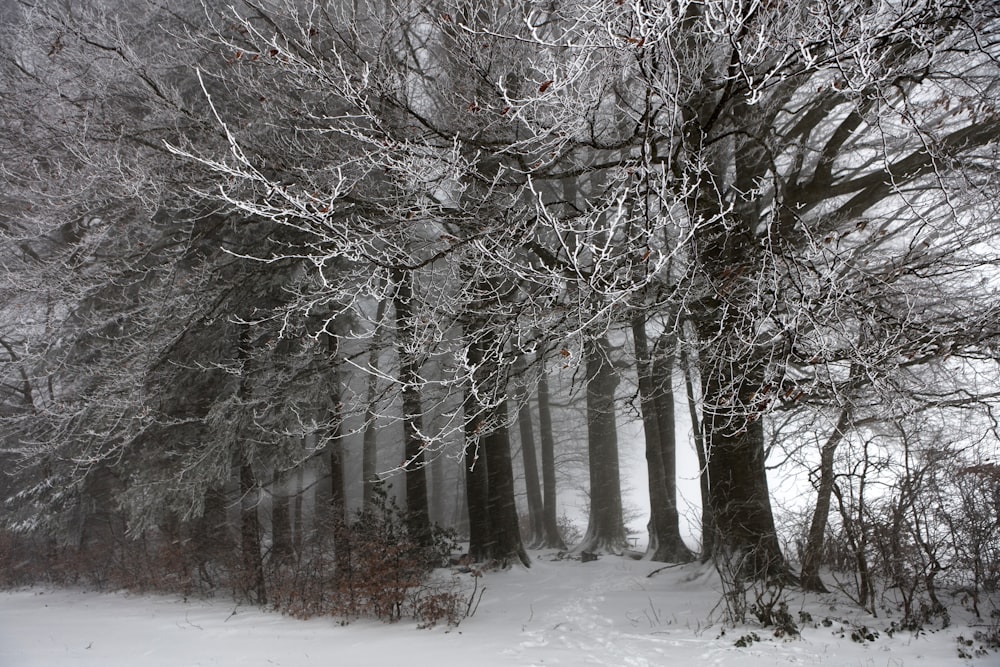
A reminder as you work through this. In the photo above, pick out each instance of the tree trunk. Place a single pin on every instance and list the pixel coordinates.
(657, 406)
(550, 522)
(536, 508)
(298, 523)
(504, 524)
(369, 446)
(730, 256)
(250, 533)
(417, 511)
(738, 493)
(437, 491)
(460, 505)
(476, 486)
(281, 521)
(707, 524)
(335, 449)
(338, 504)
(605, 528)
(651, 430)
(250, 547)
(494, 530)
(813, 554)
(663, 383)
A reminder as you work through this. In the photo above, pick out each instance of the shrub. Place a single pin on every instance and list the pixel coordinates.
(376, 571)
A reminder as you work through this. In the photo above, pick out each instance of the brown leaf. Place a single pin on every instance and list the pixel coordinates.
(545, 86)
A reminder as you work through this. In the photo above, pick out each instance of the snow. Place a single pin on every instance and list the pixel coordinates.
(558, 612)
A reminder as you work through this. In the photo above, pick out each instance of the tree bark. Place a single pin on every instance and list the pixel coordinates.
(369, 451)
(250, 534)
(250, 546)
(369, 444)
(734, 397)
(813, 554)
(707, 524)
(437, 491)
(417, 511)
(298, 523)
(605, 528)
(281, 521)
(476, 485)
(533, 488)
(657, 406)
(663, 381)
(493, 522)
(338, 504)
(738, 492)
(657, 526)
(504, 524)
(335, 449)
(550, 522)
(460, 506)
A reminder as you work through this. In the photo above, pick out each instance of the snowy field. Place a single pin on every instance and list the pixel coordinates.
(606, 612)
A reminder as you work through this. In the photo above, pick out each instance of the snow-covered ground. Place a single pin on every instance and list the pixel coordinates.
(565, 612)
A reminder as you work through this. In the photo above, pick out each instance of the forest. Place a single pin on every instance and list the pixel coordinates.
(304, 298)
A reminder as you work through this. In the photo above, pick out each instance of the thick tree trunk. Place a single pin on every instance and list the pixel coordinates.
(417, 511)
(504, 524)
(494, 530)
(606, 528)
(730, 253)
(738, 492)
(477, 492)
(101, 526)
(550, 521)
(536, 509)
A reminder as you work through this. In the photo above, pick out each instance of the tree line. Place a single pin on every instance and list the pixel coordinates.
(240, 239)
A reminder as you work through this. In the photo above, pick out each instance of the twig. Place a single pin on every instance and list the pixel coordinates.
(665, 567)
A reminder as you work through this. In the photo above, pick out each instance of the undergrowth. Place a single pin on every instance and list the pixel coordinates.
(369, 568)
